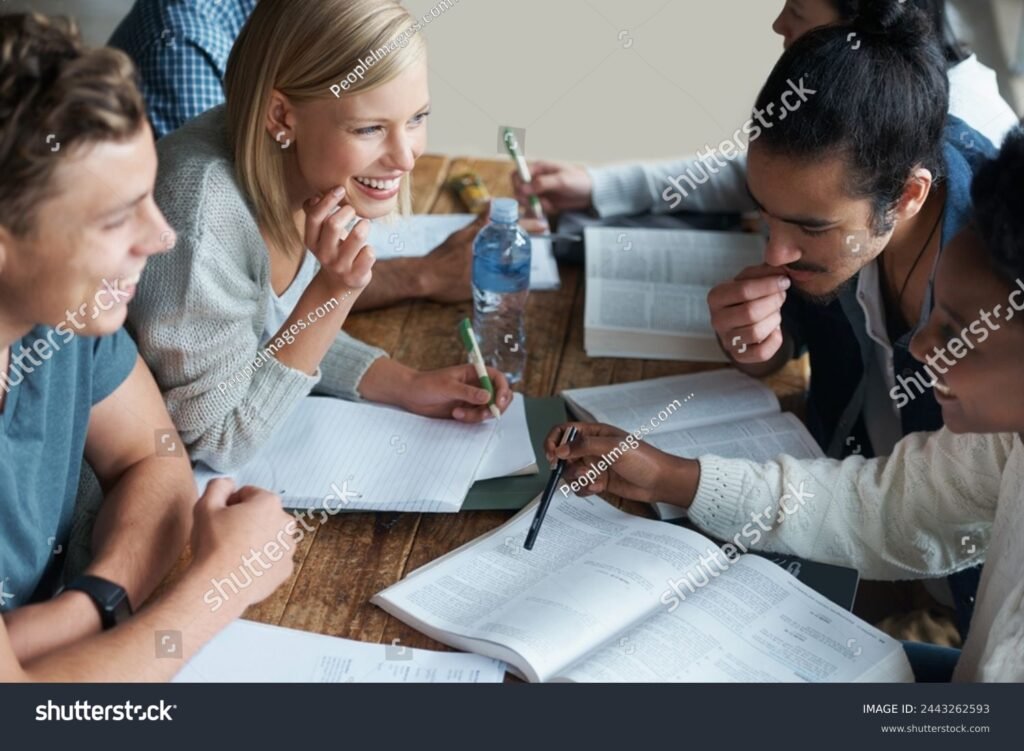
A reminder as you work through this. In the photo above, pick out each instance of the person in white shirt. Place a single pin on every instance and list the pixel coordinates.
(631, 189)
(942, 501)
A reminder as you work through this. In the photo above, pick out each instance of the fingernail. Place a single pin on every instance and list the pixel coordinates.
(459, 414)
(785, 282)
(338, 192)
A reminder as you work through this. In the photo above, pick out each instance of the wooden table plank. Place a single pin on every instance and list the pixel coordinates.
(427, 180)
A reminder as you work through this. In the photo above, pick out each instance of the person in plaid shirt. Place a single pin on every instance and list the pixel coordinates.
(181, 49)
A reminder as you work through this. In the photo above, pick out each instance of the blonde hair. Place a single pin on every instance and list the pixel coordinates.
(302, 48)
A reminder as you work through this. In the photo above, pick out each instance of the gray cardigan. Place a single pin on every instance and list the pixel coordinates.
(200, 309)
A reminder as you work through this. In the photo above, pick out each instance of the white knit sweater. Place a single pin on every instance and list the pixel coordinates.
(200, 310)
(940, 503)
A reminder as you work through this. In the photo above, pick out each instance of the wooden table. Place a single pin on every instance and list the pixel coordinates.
(351, 557)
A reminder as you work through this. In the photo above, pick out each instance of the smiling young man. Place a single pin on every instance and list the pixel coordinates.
(77, 226)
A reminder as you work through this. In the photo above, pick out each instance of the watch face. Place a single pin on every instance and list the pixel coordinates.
(110, 599)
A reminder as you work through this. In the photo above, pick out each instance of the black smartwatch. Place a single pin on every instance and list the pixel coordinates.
(110, 599)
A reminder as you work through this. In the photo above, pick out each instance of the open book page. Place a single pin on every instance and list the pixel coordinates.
(669, 256)
(649, 322)
(377, 458)
(658, 280)
(593, 572)
(714, 397)
(751, 623)
(248, 652)
(510, 451)
(413, 236)
(760, 440)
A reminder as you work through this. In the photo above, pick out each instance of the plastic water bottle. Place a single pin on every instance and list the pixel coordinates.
(501, 284)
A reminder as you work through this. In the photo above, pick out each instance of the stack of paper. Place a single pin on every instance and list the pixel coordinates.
(247, 652)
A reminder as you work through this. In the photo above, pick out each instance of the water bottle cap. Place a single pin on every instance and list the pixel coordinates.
(505, 210)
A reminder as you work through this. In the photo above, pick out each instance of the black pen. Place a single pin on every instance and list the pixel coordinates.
(545, 501)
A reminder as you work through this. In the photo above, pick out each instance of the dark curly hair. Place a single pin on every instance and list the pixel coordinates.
(881, 101)
(55, 95)
(999, 208)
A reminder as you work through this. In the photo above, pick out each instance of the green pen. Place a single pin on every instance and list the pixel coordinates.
(524, 171)
(477, 360)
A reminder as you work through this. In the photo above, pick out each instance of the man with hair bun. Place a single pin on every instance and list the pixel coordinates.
(942, 501)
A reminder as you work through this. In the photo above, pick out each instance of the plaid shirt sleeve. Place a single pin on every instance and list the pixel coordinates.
(180, 80)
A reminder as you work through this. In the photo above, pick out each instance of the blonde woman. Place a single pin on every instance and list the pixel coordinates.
(242, 319)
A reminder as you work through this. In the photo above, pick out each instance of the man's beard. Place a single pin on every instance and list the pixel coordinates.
(829, 297)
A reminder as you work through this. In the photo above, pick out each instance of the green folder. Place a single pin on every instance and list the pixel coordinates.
(512, 493)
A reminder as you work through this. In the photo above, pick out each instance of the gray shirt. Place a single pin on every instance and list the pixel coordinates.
(201, 310)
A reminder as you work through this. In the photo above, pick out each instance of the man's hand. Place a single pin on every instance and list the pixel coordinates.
(640, 474)
(447, 271)
(746, 313)
(560, 187)
(230, 525)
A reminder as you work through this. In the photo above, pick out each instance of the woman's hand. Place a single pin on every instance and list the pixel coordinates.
(346, 261)
(635, 471)
(456, 393)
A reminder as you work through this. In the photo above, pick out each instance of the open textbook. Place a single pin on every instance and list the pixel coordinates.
(248, 652)
(419, 234)
(647, 290)
(346, 456)
(720, 412)
(606, 596)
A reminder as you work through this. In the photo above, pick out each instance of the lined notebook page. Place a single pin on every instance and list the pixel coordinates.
(381, 459)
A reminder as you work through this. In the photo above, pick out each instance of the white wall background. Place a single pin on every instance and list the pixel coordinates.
(590, 80)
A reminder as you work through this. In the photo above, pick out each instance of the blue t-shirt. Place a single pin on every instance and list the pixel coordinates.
(42, 438)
